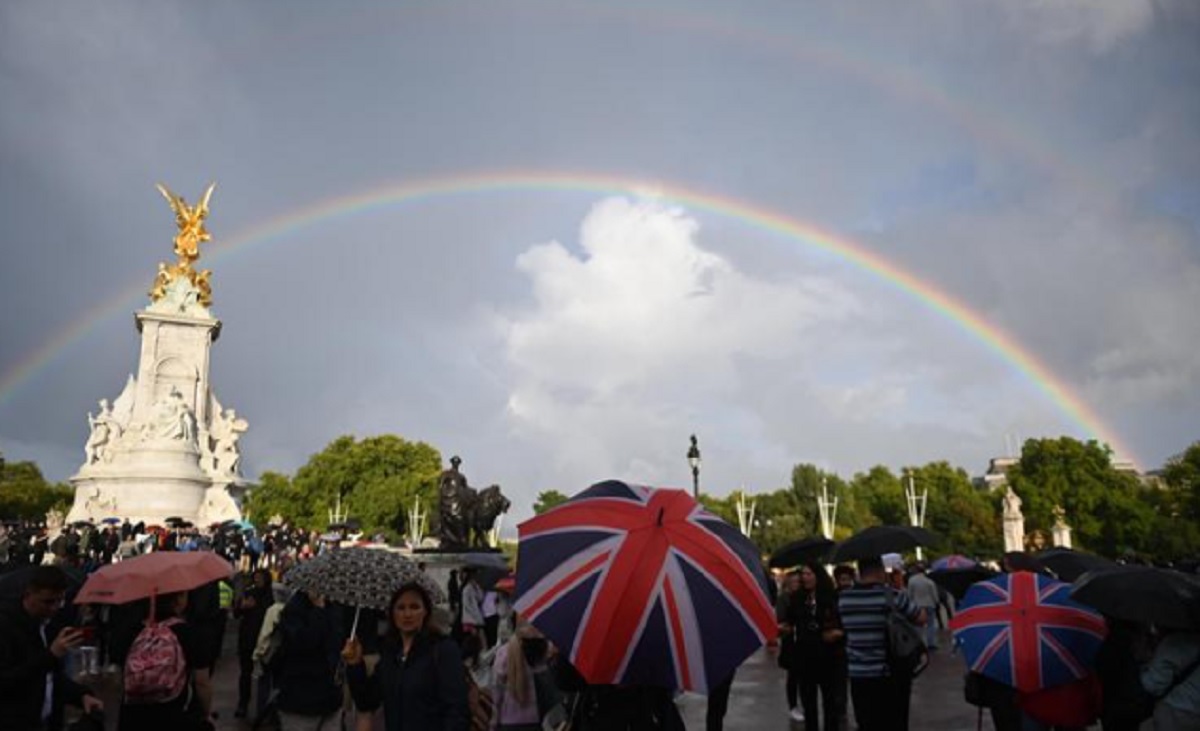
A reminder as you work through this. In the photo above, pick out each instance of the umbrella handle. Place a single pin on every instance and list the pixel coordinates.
(354, 629)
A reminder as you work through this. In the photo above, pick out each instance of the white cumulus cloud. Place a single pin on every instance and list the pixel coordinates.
(640, 332)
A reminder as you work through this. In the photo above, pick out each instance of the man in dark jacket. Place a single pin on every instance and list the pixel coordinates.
(33, 687)
(250, 608)
(308, 660)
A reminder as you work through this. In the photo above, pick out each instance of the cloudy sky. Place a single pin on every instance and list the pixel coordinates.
(1037, 161)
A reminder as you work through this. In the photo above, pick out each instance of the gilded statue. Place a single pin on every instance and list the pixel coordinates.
(190, 222)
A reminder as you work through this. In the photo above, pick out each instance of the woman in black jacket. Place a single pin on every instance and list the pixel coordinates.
(419, 680)
(812, 616)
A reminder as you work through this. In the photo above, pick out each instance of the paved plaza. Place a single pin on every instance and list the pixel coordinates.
(757, 700)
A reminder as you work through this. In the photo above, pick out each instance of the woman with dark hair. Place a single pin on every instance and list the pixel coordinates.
(787, 642)
(419, 680)
(812, 617)
(184, 710)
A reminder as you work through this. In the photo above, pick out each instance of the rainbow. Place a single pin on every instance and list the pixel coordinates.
(990, 336)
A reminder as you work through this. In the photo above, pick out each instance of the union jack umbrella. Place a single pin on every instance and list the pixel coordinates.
(1024, 630)
(950, 563)
(643, 586)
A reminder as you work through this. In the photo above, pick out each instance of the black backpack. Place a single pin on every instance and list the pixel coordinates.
(906, 651)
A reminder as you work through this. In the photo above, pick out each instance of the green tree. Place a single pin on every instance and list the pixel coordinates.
(25, 493)
(272, 496)
(376, 479)
(1107, 508)
(965, 520)
(723, 507)
(881, 492)
(548, 499)
(1174, 500)
(1181, 483)
(807, 480)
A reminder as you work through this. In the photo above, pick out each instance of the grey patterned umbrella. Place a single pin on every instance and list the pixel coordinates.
(360, 577)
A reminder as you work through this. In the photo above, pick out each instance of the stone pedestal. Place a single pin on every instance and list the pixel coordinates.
(165, 447)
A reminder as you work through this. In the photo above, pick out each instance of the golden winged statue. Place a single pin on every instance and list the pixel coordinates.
(190, 222)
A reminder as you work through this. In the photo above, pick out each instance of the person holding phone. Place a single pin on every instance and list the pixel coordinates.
(33, 687)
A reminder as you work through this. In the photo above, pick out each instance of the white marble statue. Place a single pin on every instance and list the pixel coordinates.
(157, 448)
(1061, 532)
(105, 432)
(172, 419)
(1014, 522)
(180, 297)
(227, 428)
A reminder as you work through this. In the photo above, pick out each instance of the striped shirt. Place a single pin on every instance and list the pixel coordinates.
(864, 611)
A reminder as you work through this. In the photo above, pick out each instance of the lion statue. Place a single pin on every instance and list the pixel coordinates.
(482, 510)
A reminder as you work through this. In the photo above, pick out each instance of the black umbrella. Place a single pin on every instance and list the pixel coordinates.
(488, 568)
(1143, 594)
(13, 583)
(957, 581)
(1069, 565)
(877, 540)
(1014, 561)
(805, 550)
(484, 560)
(173, 521)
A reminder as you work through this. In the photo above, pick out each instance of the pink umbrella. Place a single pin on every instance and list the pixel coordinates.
(153, 574)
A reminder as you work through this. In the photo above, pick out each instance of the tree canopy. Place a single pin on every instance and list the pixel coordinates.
(548, 499)
(1109, 510)
(26, 495)
(376, 479)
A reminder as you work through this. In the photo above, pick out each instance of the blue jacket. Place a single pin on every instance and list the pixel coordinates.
(427, 691)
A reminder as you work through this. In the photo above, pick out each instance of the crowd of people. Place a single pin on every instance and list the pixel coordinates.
(87, 546)
(834, 648)
(306, 663)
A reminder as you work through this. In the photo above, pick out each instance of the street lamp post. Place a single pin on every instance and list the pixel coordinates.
(693, 457)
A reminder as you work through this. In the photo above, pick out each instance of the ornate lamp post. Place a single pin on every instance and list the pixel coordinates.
(693, 458)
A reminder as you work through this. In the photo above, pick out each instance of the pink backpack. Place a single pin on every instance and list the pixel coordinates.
(155, 669)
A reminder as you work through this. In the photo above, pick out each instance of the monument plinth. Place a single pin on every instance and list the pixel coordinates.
(166, 447)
